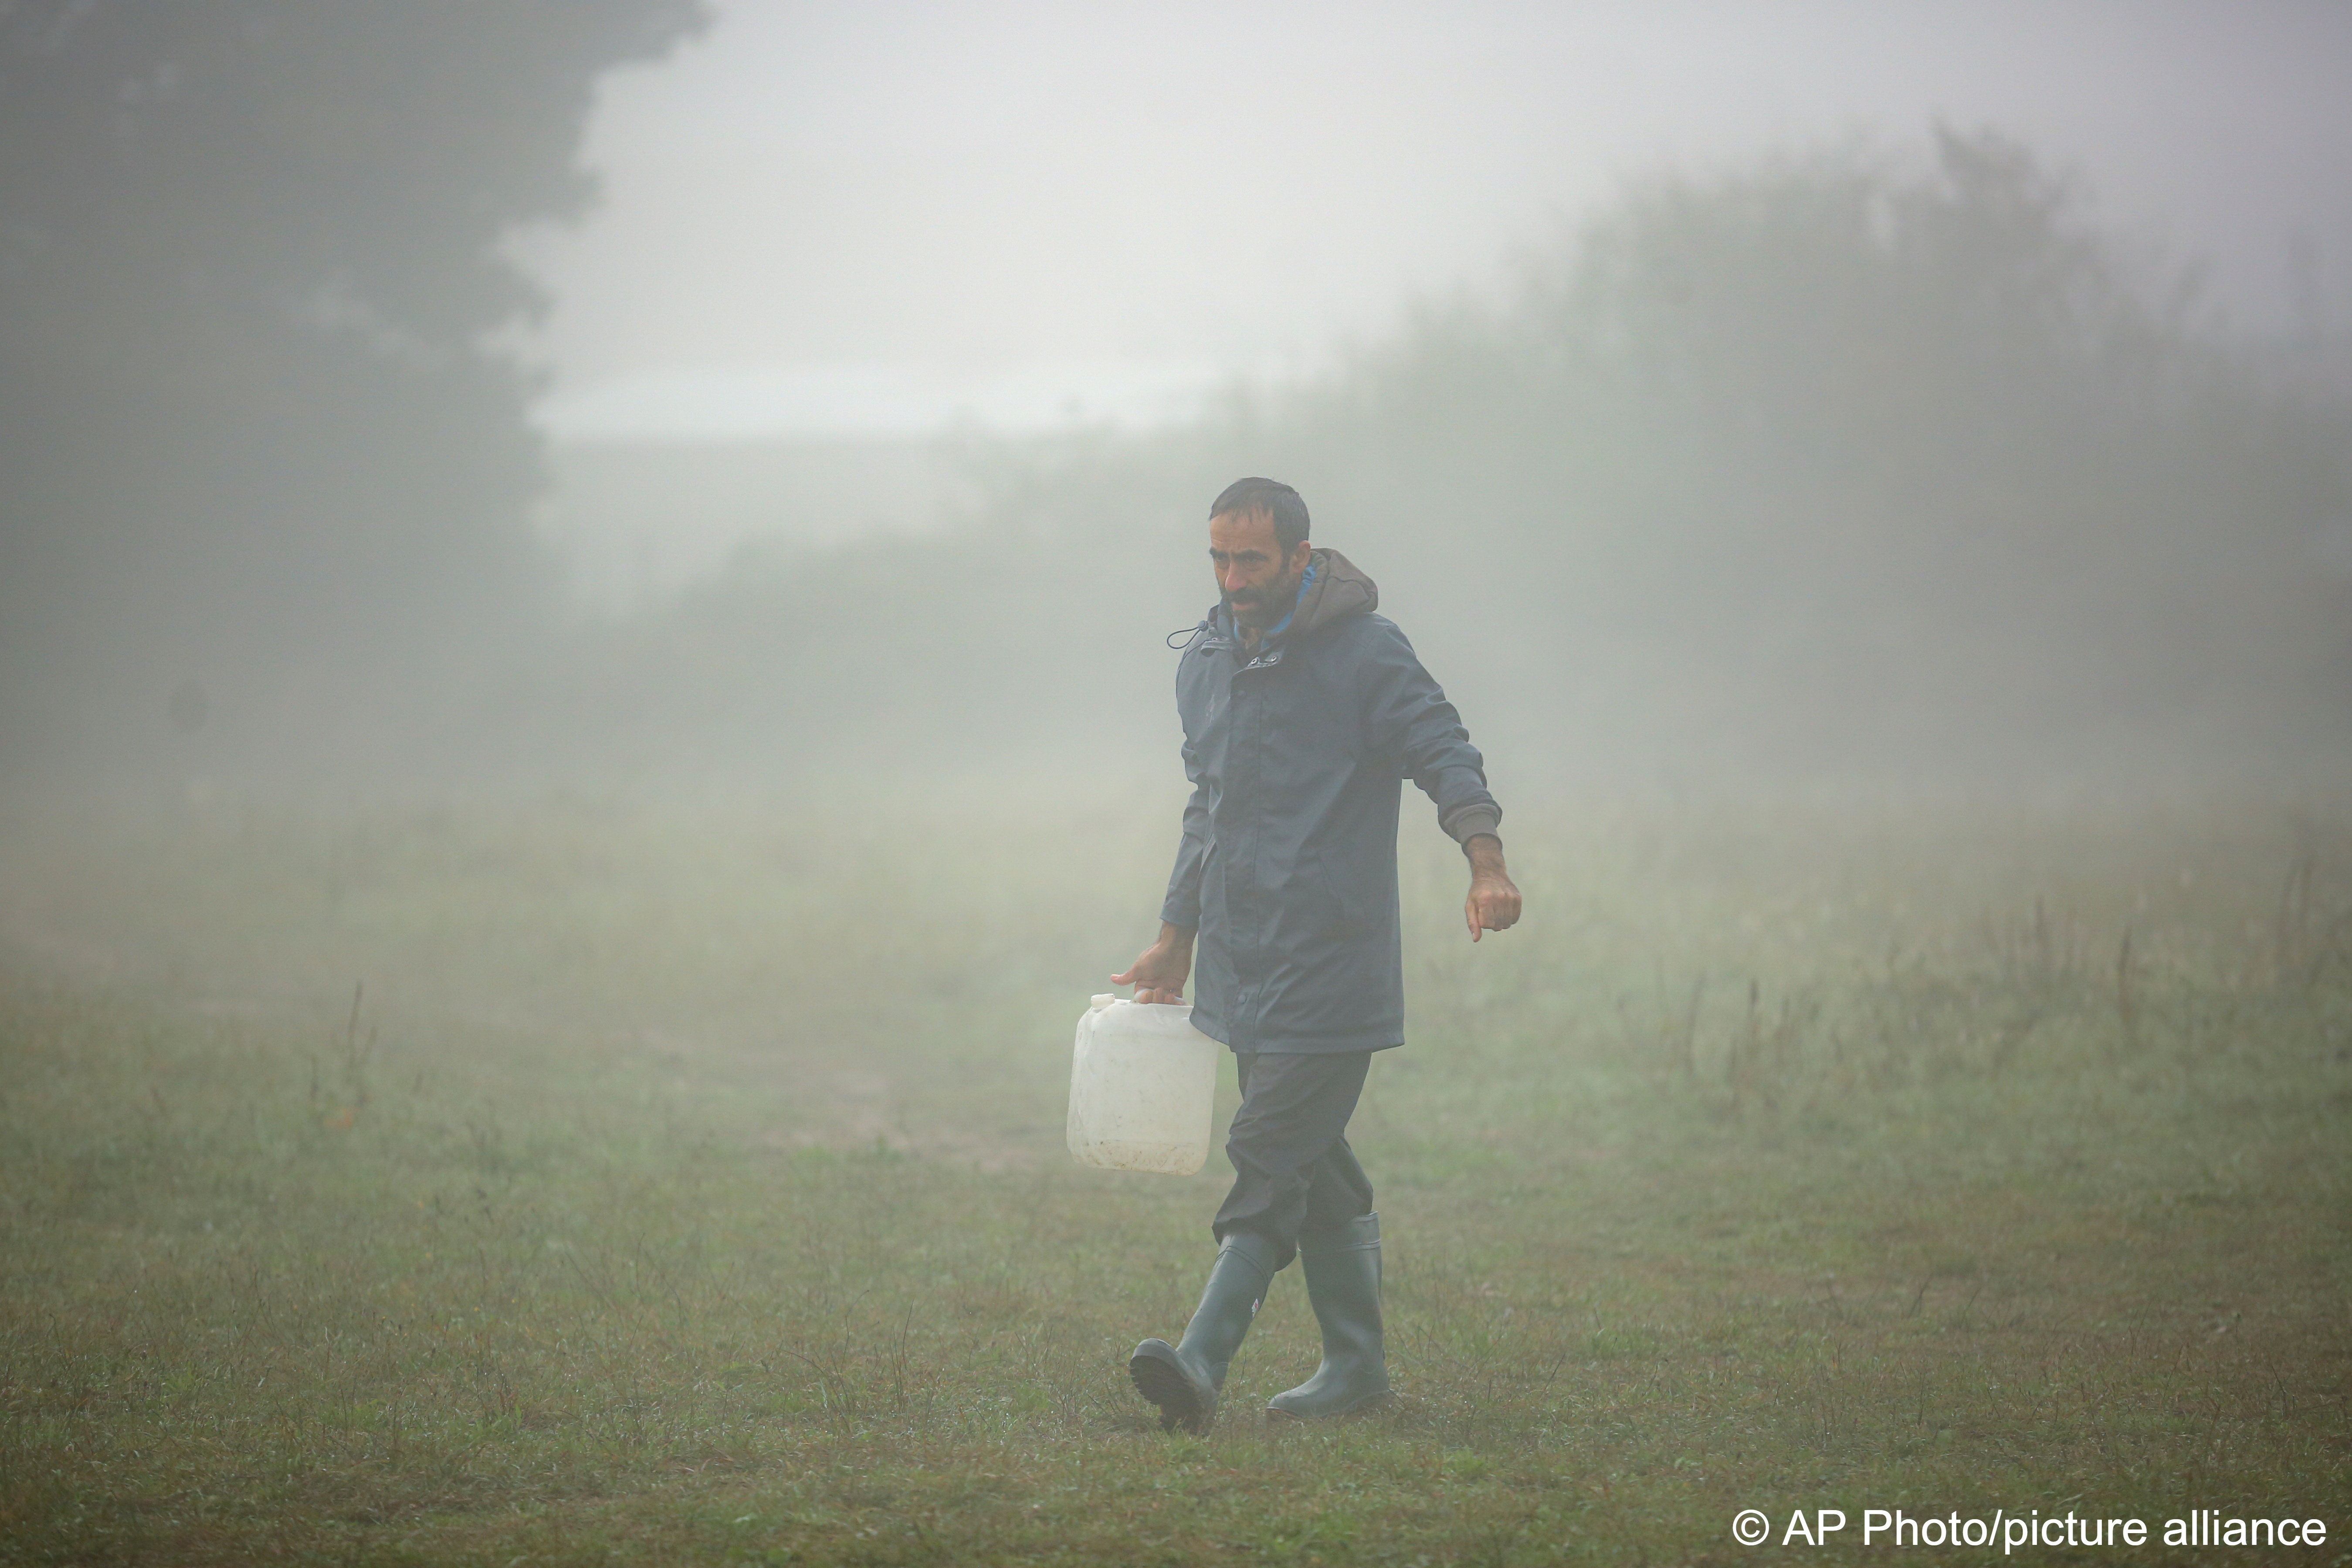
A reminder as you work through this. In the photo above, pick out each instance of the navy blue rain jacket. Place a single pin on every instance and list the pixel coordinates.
(1288, 869)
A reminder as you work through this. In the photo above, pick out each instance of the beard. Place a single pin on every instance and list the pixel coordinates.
(1262, 606)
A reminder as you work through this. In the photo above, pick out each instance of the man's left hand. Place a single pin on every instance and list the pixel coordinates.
(1494, 901)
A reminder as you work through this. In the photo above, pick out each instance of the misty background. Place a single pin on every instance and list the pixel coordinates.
(584, 694)
(636, 389)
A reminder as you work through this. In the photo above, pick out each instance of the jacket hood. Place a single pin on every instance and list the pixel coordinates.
(1340, 589)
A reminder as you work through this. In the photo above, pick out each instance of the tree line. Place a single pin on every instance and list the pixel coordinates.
(1841, 460)
(1845, 460)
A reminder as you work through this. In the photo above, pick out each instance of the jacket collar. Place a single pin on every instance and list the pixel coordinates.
(1333, 589)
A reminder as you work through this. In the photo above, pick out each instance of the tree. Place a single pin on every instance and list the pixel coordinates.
(1851, 459)
(253, 418)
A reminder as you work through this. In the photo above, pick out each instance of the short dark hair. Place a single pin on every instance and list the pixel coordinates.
(1270, 498)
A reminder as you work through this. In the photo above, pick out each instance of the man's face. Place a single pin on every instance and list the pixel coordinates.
(1259, 584)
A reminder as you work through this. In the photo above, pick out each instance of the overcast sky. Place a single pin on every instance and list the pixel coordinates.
(840, 216)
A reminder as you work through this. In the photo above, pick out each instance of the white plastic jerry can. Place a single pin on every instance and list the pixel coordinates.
(1143, 1088)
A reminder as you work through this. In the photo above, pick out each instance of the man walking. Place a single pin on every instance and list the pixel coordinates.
(1303, 711)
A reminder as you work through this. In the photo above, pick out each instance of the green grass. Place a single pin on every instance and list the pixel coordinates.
(685, 1185)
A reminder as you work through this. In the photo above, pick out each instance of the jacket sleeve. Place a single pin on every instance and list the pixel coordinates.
(1407, 717)
(1183, 905)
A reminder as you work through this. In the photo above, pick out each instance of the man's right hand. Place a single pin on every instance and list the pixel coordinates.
(1159, 970)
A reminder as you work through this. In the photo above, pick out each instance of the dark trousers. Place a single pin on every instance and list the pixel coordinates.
(1292, 1169)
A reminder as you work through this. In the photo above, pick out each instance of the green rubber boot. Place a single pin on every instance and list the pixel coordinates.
(1343, 1285)
(1183, 1379)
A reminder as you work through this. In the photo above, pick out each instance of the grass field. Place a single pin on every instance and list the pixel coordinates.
(569, 1180)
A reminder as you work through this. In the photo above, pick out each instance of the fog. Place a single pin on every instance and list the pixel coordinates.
(587, 603)
(1817, 391)
(1244, 187)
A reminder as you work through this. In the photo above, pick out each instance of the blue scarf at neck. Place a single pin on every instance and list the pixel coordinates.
(1283, 625)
